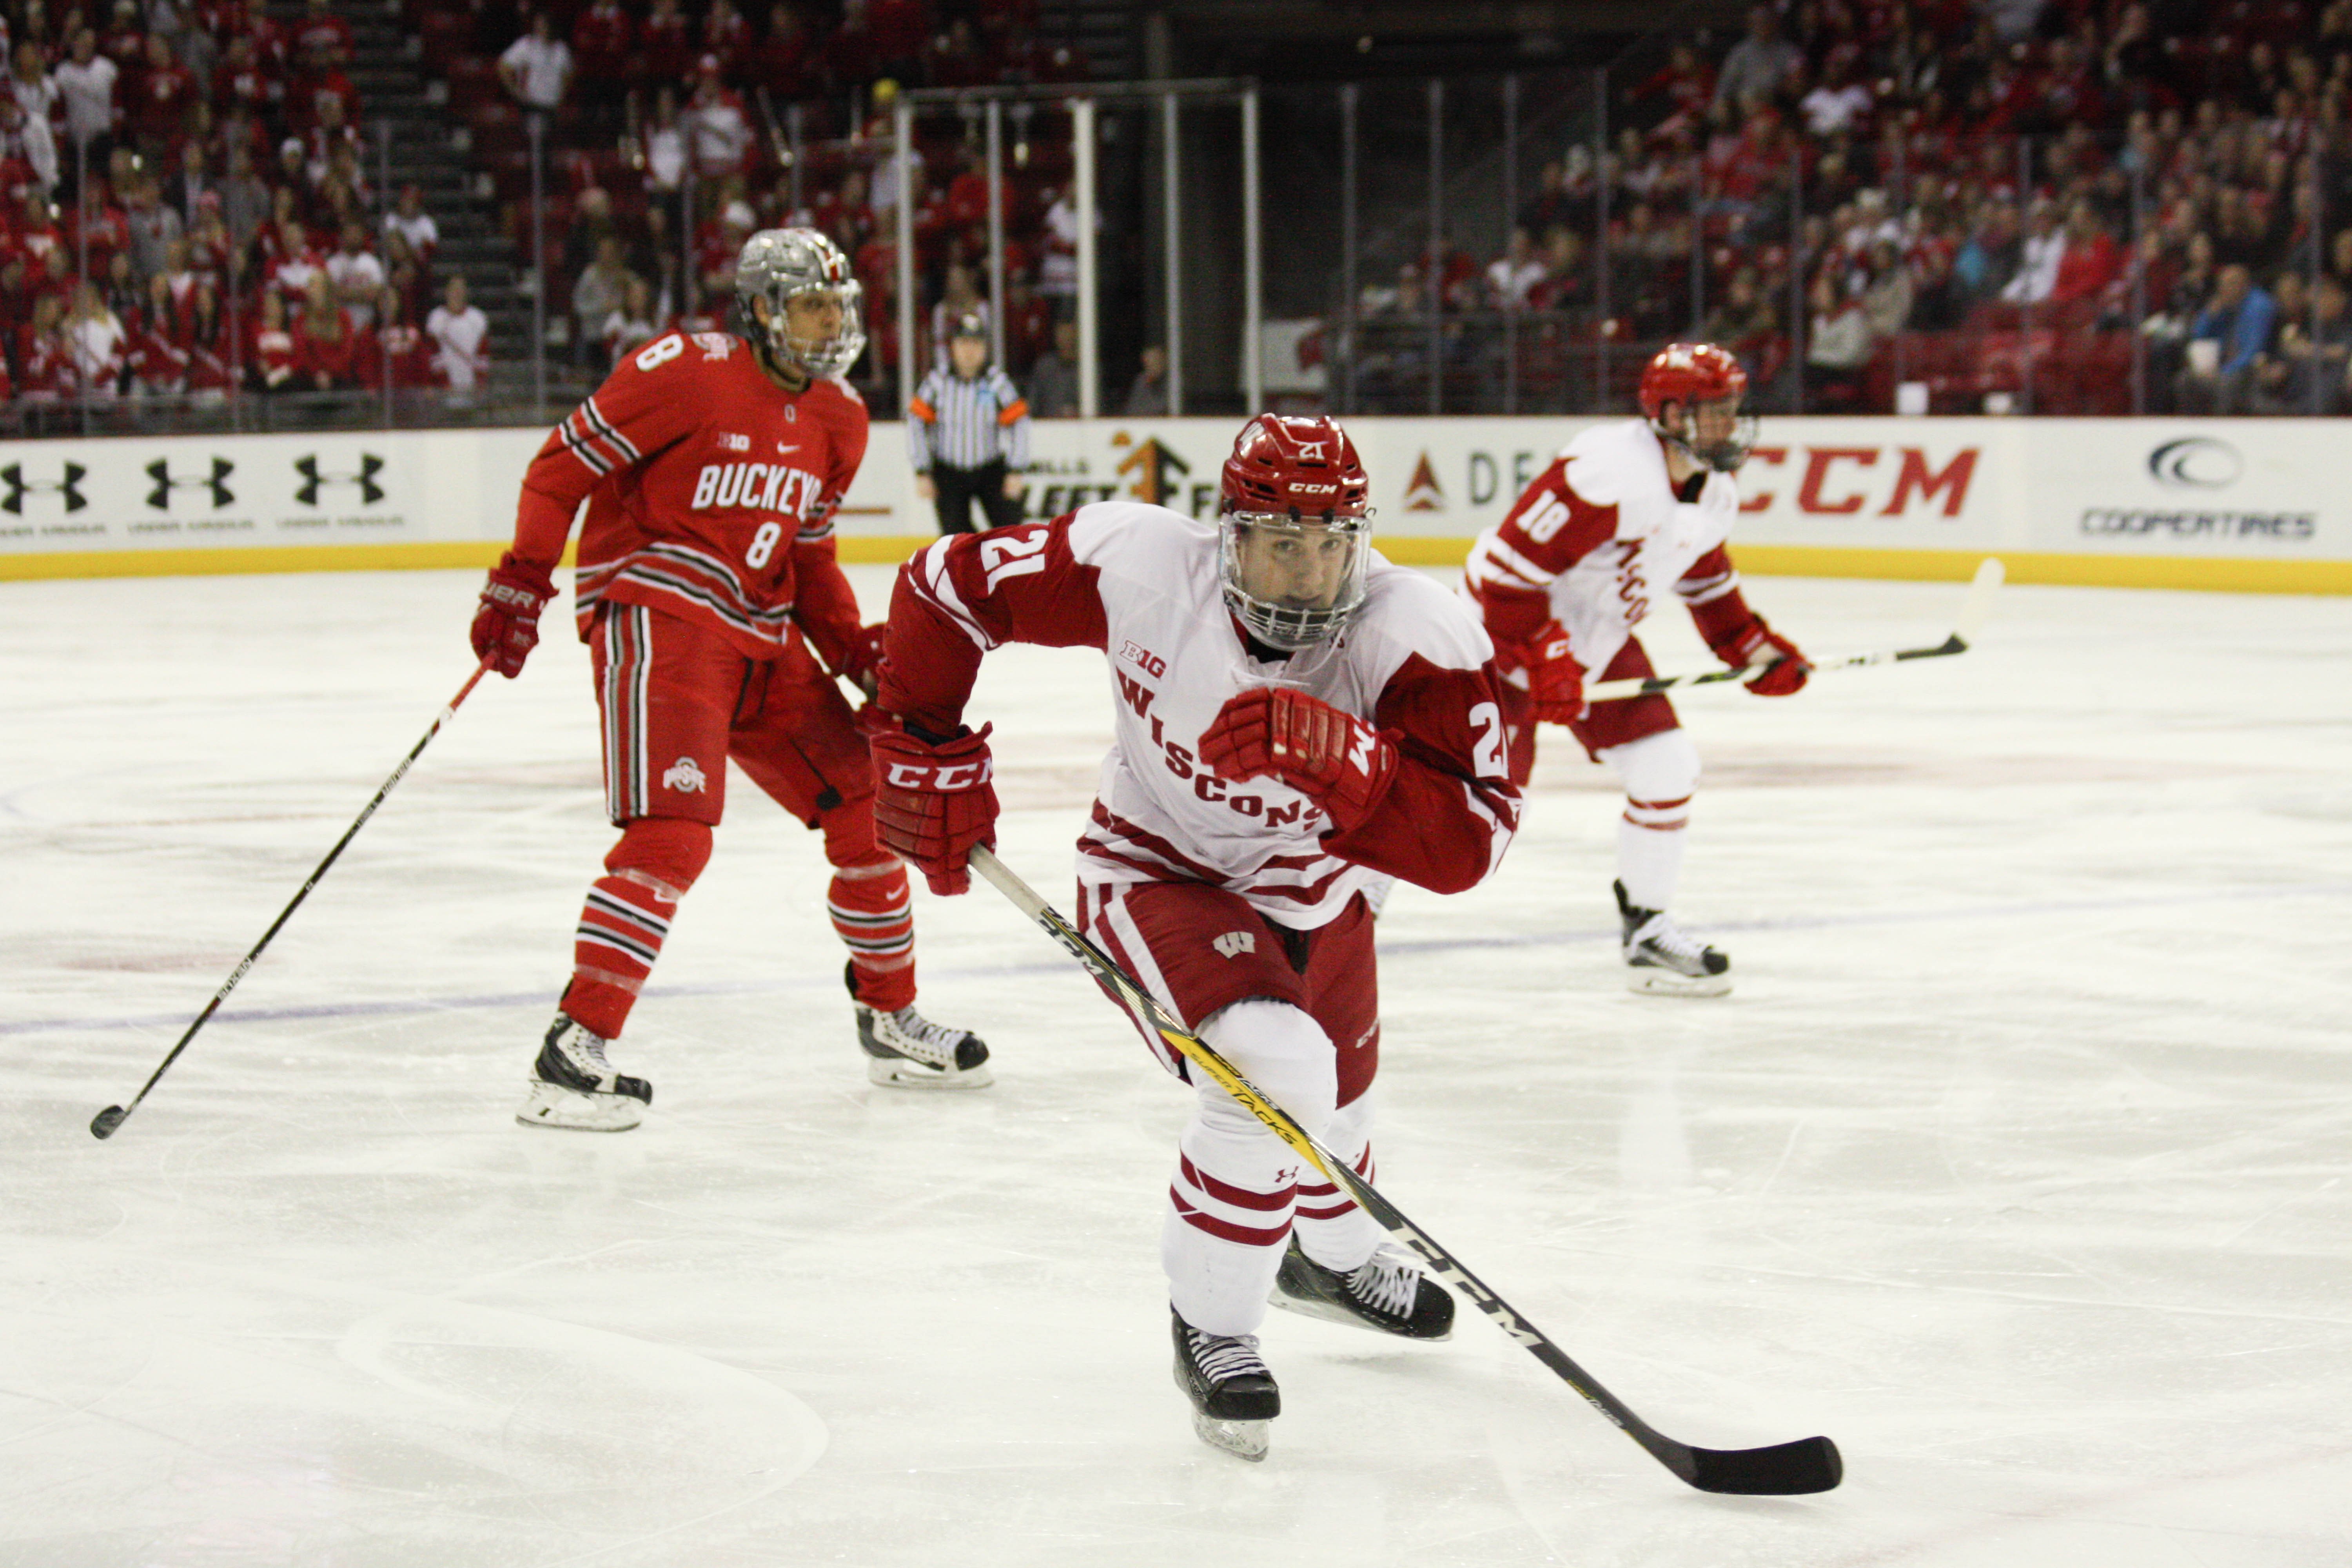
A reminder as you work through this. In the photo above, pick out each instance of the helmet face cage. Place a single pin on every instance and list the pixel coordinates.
(779, 265)
(1726, 452)
(1292, 627)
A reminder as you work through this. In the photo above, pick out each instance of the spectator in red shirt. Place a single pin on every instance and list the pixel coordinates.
(785, 55)
(322, 35)
(330, 354)
(270, 359)
(727, 38)
(204, 337)
(242, 82)
(45, 362)
(160, 101)
(2090, 262)
(158, 363)
(401, 346)
(666, 44)
(604, 51)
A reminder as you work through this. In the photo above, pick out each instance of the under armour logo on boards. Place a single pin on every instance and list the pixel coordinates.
(370, 492)
(160, 470)
(19, 487)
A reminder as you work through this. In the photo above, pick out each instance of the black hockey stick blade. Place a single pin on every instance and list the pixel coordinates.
(1811, 1465)
(103, 1125)
(1784, 1469)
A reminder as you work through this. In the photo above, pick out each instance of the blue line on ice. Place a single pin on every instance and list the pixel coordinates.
(1388, 948)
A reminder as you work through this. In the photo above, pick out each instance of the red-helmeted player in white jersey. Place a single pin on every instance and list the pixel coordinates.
(711, 466)
(1627, 512)
(1296, 720)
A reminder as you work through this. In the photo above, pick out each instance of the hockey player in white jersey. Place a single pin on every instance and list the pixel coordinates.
(1296, 719)
(1627, 512)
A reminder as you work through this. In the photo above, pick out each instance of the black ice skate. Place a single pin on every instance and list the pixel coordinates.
(1666, 963)
(906, 1050)
(1389, 1293)
(1232, 1394)
(572, 1086)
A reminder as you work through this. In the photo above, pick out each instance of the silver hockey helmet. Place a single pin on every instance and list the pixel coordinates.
(779, 265)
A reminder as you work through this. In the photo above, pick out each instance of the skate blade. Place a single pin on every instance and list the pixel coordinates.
(1330, 1312)
(1647, 981)
(899, 1072)
(573, 1110)
(1242, 1439)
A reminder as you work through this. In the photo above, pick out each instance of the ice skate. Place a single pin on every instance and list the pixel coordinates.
(1232, 1394)
(906, 1050)
(572, 1086)
(1388, 1293)
(1663, 961)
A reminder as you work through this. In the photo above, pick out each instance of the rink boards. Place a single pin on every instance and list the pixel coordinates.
(2248, 505)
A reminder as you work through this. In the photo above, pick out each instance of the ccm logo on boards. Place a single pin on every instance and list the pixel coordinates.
(1832, 485)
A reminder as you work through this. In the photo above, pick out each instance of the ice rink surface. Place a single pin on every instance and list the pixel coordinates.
(2017, 1162)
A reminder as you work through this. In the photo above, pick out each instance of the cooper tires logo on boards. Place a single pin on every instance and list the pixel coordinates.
(2196, 463)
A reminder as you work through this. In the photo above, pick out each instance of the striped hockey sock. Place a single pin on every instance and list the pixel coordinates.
(622, 928)
(872, 915)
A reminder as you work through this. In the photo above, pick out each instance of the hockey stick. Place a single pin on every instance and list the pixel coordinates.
(1808, 1465)
(1974, 608)
(103, 1124)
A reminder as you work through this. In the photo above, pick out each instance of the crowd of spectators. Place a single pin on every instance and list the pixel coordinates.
(185, 210)
(2093, 204)
(667, 137)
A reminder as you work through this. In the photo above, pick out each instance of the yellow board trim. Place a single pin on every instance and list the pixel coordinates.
(2212, 573)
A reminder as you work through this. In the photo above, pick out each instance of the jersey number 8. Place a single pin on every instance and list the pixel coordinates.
(763, 544)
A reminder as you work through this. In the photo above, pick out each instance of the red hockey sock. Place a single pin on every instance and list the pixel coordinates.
(628, 916)
(874, 921)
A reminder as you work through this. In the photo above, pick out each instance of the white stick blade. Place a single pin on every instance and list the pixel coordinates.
(1978, 606)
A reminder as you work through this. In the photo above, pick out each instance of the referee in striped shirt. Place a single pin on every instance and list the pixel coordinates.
(968, 433)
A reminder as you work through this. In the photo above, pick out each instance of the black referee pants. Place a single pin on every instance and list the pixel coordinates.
(959, 487)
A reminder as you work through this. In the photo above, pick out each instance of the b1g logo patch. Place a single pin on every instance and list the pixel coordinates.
(1234, 943)
(684, 776)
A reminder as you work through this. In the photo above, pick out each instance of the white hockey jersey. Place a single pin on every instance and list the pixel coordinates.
(1140, 582)
(1596, 539)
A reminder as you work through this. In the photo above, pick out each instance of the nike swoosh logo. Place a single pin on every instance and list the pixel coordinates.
(788, 447)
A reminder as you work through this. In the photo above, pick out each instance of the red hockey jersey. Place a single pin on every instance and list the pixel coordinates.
(711, 495)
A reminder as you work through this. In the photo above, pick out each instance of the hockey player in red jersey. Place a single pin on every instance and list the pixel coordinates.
(718, 617)
(1295, 720)
(1628, 511)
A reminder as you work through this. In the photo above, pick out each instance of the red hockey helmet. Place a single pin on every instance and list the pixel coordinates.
(1293, 529)
(1692, 376)
(1297, 468)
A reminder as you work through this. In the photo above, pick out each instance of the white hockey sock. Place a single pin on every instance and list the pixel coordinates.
(1649, 860)
(1230, 1202)
(1660, 773)
(1331, 1229)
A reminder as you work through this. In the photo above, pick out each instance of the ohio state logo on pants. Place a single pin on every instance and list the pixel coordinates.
(685, 777)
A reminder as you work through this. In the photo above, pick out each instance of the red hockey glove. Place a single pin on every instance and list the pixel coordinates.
(1555, 680)
(862, 661)
(506, 626)
(1335, 758)
(932, 800)
(1757, 642)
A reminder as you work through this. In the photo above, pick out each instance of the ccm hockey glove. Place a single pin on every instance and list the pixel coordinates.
(505, 623)
(932, 799)
(1757, 642)
(1555, 680)
(1335, 759)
